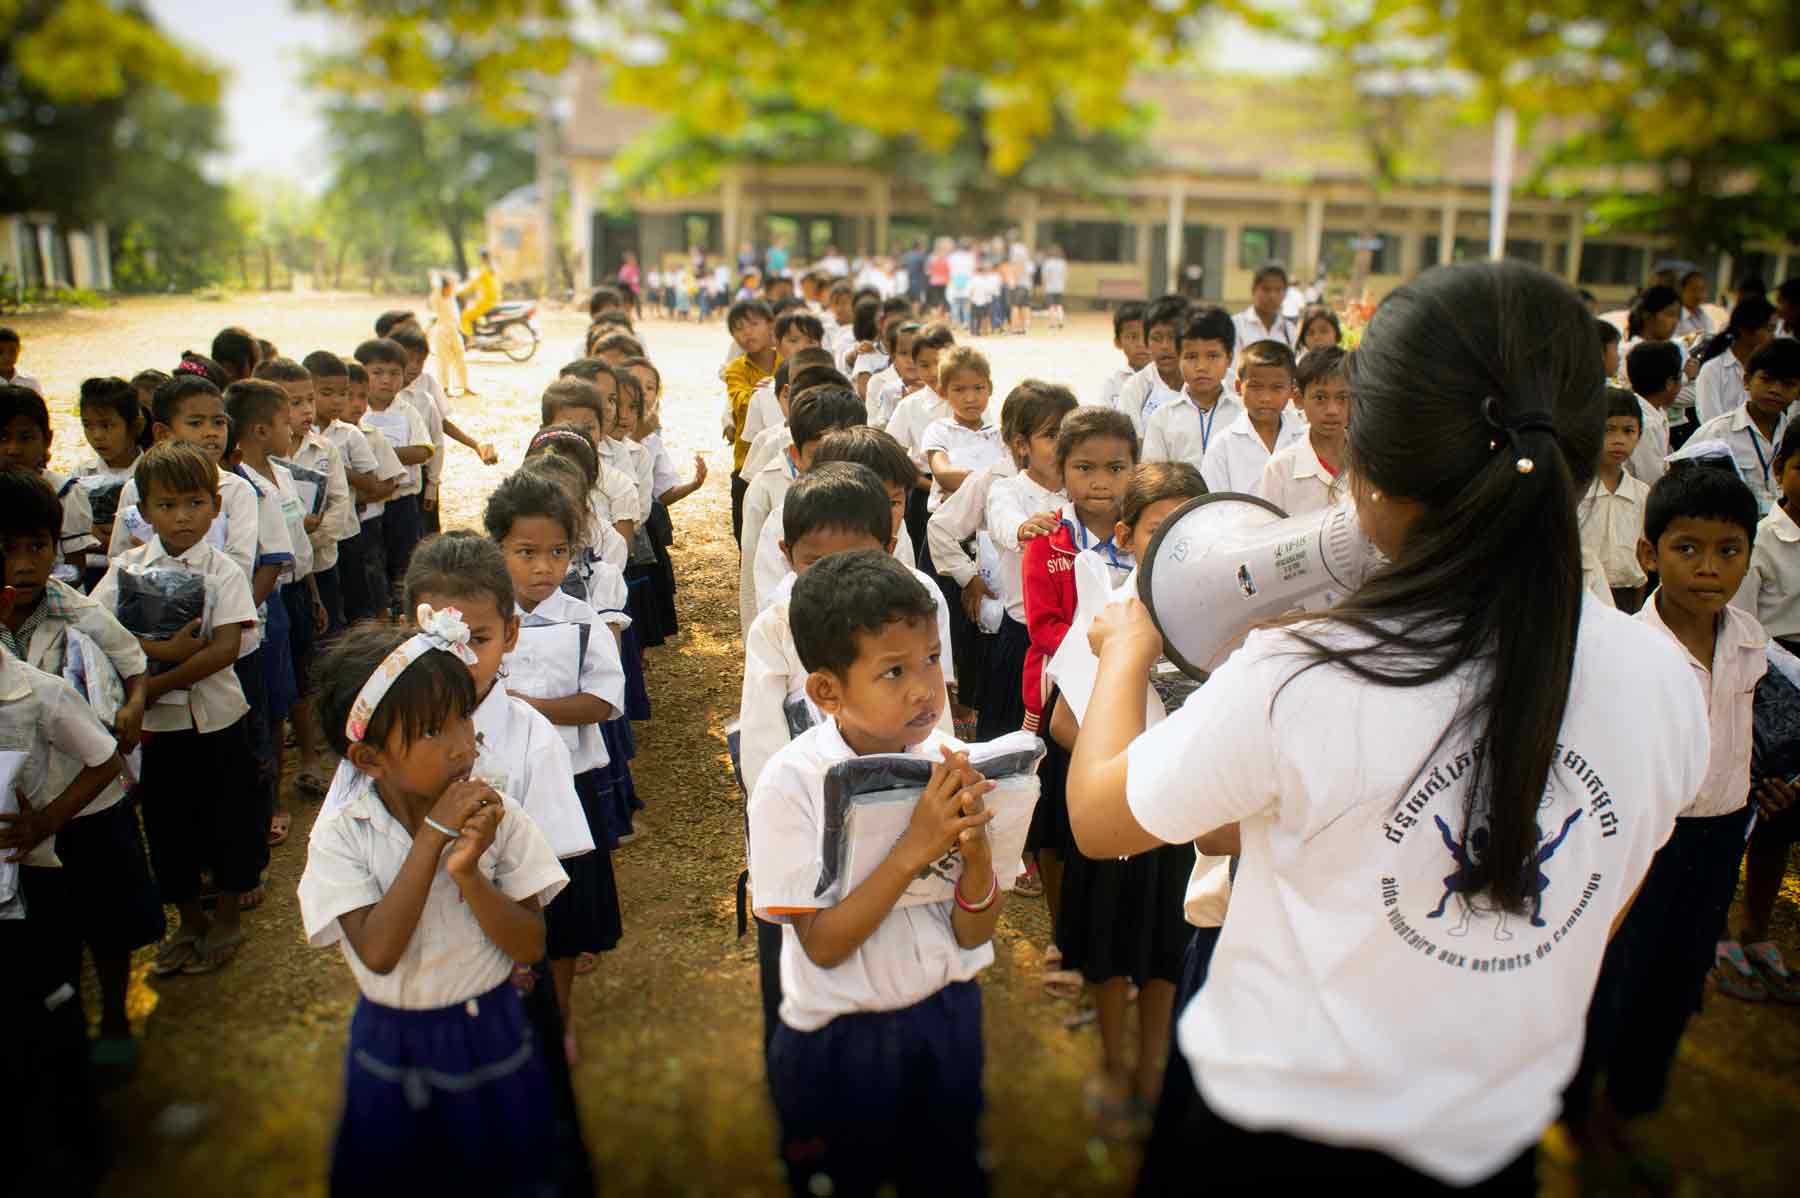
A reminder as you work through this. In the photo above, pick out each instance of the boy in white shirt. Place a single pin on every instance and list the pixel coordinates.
(375, 591)
(1235, 461)
(964, 440)
(1754, 428)
(1771, 590)
(1183, 429)
(1612, 512)
(1304, 476)
(1263, 319)
(25, 443)
(1128, 339)
(370, 481)
(10, 374)
(1159, 381)
(805, 370)
(1654, 370)
(402, 523)
(197, 713)
(795, 330)
(885, 389)
(915, 411)
(872, 1099)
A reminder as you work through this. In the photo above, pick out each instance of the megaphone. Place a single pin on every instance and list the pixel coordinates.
(1223, 563)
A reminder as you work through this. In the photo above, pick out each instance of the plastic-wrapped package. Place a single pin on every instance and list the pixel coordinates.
(869, 802)
(1775, 718)
(103, 497)
(309, 483)
(156, 602)
(800, 714)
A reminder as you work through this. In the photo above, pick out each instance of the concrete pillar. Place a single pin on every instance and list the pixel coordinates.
(1783, 263)
(731, 223)
(1722, 278)
(1028, 221)
(102, 256)
(581, 224)
(882, 197)
(1315, 238)
(1177, 221)
(1447, 233)
(1577, 230)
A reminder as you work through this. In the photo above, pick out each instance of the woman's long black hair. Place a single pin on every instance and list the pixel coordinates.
(1751, 313)
(1448, 370)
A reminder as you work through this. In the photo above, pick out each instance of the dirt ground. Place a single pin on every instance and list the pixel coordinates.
(239, 1086)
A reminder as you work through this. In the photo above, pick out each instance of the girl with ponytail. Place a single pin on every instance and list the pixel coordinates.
(1720, 386)
(1442, 803)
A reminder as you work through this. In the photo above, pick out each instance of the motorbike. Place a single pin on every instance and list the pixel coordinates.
(509, 328)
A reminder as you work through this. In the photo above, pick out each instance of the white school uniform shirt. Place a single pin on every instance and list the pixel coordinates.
(969, 449)
(515, 741)
(1235, 461)
(401, 425)
(883, 403)
(1296, 481)
(42, 718)
(1771, 589)
(773, 572)
(608, 545)
(960, 517)
(235, 530)
(1010, 502)
(773, 675)
(764, 412)
(1339, 1008)
(216, 701)
(77, 532)
(1755, 456)
(616, 494)
(431, 415)
(635, 463)
(601, 674)
(1611, 524)
(358, 457)
(21, 379)
(763, 450)
(1720, 387)
(337, 516)
(1251, 329)
(388, 468)
(1728, 684)
(95, 468)
(608, 593)
(911, 954)
(1696, 321)
(663, 475)
(274, 547)
(1109, 390)
(353, 855)
(879, 382)
(768, 490)
(1142, 394)
(280, 494)
(1648, 460)
(1180, 431)
(911, 417)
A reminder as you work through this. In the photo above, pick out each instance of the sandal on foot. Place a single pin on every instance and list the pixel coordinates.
(1734, 975)
(1064, 983)
(280, 824)
(210, 955)
(309, 785)
(1772, 971)
(1028, 885)
(586, 962)
(174, 954)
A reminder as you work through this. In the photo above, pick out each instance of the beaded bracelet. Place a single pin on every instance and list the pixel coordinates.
(993, 895)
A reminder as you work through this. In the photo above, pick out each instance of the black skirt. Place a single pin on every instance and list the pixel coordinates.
(1050, 818)
(584, 918)
(1122, 918)
(1002, 690)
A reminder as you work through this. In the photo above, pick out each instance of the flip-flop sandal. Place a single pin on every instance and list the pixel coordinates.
(174, 955)
(1065, 984)
(309, 785)
(1772, 971)
(1028, 885)
(1733, 974)
(211, 956)
(280, 824)
(586, 962)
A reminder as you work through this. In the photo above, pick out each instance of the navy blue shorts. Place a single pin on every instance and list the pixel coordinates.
(221, 825)
(114, 904)
(884, 1097)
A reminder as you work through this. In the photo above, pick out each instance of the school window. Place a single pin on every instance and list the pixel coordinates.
(1339, 248)
(703, 231)
(1264, 244)
(1465, 249)
(1611, 265)
(1525, 251)
(1092, 240)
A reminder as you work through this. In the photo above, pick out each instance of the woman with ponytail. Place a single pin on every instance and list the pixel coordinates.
(1443, 796)
(1720, 387)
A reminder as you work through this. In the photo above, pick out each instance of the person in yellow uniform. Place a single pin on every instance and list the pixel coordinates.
(485, 288)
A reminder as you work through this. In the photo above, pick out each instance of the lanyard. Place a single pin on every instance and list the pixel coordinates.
(1206, 422)
(1761, 460)
(1079, 534)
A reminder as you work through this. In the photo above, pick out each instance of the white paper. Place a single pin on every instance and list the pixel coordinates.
(1073, 666)
(12, 905)
(546, 664)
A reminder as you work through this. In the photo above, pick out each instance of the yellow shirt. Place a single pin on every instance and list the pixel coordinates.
(741, 378)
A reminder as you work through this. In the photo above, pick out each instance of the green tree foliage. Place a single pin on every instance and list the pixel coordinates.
(172, 226)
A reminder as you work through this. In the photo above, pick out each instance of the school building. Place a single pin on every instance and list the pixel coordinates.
(38, 252)
(1240, 177)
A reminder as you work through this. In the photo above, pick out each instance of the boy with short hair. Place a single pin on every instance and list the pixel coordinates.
(410, 439)
(801, 373)
(1184, 428)
(894, 1093)
(1128, 339)
(795, 330)
(25, 443)
(815, 413)
(1160, 381)
(197, 711)
(10, 374)
(1304, 476)
(916, 411)
(1263, 319)
(369, 481)
(1235, 461)
(1753, 429)
(373, 515)
(1612, 512)
(1654, 371)
(751, 325)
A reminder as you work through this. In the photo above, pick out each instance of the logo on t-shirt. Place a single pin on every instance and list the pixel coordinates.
(1427, 880)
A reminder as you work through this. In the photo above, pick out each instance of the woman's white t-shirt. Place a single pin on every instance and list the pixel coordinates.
(1355, 998)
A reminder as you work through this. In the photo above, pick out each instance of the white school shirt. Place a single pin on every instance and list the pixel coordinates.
(1251, 329)
(1179, 431)
(1728, 685)
(783, 587)
(607, 592)
(1696, 321)
(1720, 387)
(358, 457)
(911, 954)
(404, 429)
(1648, 457)
(960, 517)
(274, 547)
(969, 449)
(94, 467)
(1142, 394)
(763, 450)
(388, 468)
(911, 417)
(768, 491)
(885, 402)
(1055, 273)
(608, 544)
(772, 676)
(879, 382)
(353, 855)
(77, 533)
(601, 674)
(42, 718)
(337, 517)
(1010, 502)
(431, 415)
(1611, 524)
(1109, 390)
(635, 464)
(616, 494)
(1755, 456)
(764, 411)
(235, 530)
(21, 379)
(520, 755)
(772, 566)
(1296, 481)
(216, 701)
(1771, 589)
(283, 497)
(1338, 1007)
(1235, 461)
(663, 475)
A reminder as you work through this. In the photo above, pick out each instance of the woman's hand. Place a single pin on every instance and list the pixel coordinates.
(1126, 624)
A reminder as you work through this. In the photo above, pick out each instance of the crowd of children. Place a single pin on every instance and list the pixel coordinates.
(254, 550)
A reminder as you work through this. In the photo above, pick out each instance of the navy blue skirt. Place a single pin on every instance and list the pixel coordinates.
(1050, 818)
(1002, 692)
(584, 917)
(456, 1099)
(631, 657)
(280, 691)
(662, 535)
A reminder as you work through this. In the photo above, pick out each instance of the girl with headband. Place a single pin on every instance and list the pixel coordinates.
(433, 885)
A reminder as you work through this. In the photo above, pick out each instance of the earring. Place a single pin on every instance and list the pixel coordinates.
(1375, 496)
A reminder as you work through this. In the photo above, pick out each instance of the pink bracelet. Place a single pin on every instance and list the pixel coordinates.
(993, 894)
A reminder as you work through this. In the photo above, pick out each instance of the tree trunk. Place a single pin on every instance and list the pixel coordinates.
(337, 267)
(453, 225)
(268, 267)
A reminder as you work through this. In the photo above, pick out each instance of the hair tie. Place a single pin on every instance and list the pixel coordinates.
(443, 630)
(190, 366)
(1530, 422)
(551, 436)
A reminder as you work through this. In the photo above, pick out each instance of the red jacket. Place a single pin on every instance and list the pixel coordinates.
(1047, 575)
